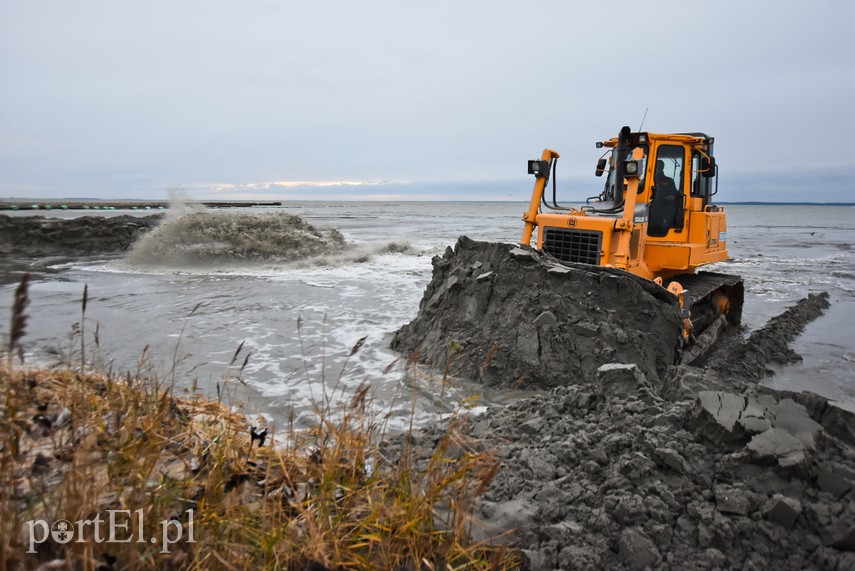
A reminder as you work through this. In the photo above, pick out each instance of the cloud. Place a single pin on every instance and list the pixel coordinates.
(367, 190)
(830, 184)
(132, 98)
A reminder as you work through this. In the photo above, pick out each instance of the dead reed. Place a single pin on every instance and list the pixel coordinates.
(187, 483)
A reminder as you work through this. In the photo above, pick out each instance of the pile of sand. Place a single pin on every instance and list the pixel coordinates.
(83, 236)
(509, 316)
(632, 461)
(614, 475)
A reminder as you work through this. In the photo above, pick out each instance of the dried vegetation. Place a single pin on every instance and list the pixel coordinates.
(77, 445)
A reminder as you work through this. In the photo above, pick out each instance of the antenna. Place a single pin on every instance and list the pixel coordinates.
(643, 118)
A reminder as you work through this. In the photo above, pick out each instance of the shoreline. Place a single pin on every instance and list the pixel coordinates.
(42, 205)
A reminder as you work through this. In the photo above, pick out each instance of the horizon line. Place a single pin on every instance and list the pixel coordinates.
(273, 201)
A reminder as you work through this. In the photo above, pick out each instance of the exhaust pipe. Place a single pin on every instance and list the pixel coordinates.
(622, 148)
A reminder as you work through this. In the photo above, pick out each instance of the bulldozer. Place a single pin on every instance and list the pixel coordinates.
(655, 219)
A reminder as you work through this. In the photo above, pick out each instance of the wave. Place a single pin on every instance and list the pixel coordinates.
(200, 238)
(358, 254)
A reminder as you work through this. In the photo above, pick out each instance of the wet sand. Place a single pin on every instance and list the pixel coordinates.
(633, 461)
(83, 236)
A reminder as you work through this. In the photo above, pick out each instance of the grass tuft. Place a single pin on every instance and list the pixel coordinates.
(18, 326)
(82, 446)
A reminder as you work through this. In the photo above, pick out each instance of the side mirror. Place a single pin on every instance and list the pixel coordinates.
(601, 167)
(708, 167)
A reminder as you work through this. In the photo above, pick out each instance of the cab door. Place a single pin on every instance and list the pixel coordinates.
(666, 218)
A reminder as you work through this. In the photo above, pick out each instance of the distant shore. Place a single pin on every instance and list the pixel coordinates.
(41, 205)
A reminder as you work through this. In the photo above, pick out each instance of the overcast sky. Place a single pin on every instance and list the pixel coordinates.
(400, 99)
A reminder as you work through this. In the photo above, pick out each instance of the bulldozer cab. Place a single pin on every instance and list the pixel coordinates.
(679, 162)
(654, 216)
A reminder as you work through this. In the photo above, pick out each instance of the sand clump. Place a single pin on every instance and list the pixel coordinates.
(613, 475)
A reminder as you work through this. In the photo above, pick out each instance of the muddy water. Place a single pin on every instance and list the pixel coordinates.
(784, 253)
(205, 239)
(299, 319)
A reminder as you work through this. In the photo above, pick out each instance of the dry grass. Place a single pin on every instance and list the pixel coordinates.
(74, 445)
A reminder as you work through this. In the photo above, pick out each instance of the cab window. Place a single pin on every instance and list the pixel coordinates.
(666, 204)
(700, 183)
(609, 190)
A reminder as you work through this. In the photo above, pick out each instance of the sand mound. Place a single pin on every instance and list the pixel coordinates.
(632, 462)
(508, 316)
(83, 236)
(614, 476)
(202, 238)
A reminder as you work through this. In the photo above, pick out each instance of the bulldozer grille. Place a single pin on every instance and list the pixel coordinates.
(580, 246)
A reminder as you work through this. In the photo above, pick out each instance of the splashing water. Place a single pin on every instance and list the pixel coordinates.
(199, 238)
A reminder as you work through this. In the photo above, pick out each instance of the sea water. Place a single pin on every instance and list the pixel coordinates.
(297, 323)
